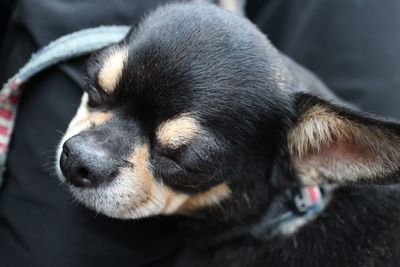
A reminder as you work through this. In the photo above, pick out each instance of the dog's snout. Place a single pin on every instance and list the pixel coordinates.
(85, 163)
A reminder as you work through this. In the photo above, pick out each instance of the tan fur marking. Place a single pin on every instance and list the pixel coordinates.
(151, 190)
(140, 160)
(167, 199)
(178, 131)
(111, 70)
(90, 118)
(213, 196)
(141, 171)
(325, 145)
(317, 127)
(99, 117)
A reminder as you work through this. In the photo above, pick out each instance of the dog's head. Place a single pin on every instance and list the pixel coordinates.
(196, 109)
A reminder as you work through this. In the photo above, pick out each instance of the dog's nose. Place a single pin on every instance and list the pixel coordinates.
(85, 163)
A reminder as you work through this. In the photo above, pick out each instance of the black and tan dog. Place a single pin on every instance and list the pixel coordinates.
(197, 116)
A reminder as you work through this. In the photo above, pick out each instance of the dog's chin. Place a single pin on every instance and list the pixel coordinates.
(120, 199)
(111, 203)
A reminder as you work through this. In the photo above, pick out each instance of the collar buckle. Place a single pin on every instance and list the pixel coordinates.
(306, 198)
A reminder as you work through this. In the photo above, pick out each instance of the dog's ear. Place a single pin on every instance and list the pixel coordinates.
(334, 144)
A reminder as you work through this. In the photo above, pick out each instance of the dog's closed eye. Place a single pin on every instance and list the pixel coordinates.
(95, 96)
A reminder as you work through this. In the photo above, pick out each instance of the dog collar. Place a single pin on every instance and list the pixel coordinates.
(66, 47)
(301, 205)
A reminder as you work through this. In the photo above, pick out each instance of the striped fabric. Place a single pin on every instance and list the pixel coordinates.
(66, 47)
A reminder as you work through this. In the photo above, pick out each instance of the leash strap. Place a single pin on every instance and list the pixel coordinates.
(66, 47)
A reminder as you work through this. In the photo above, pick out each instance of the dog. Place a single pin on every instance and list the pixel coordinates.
(197, 118)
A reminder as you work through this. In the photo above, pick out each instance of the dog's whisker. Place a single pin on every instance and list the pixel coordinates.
(61, 133)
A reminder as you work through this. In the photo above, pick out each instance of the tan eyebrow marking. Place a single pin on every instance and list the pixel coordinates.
(178, 131)
(111, 70)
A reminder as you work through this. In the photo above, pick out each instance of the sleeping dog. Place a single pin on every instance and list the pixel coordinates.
(196, 117)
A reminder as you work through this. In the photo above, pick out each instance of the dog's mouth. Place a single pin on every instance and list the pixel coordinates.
(134, 193)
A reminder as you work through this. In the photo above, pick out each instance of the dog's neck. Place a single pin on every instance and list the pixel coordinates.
(287, 211)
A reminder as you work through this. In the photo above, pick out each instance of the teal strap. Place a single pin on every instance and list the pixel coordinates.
(66, 47)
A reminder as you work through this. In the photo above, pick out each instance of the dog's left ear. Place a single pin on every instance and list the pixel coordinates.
(334, 144)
